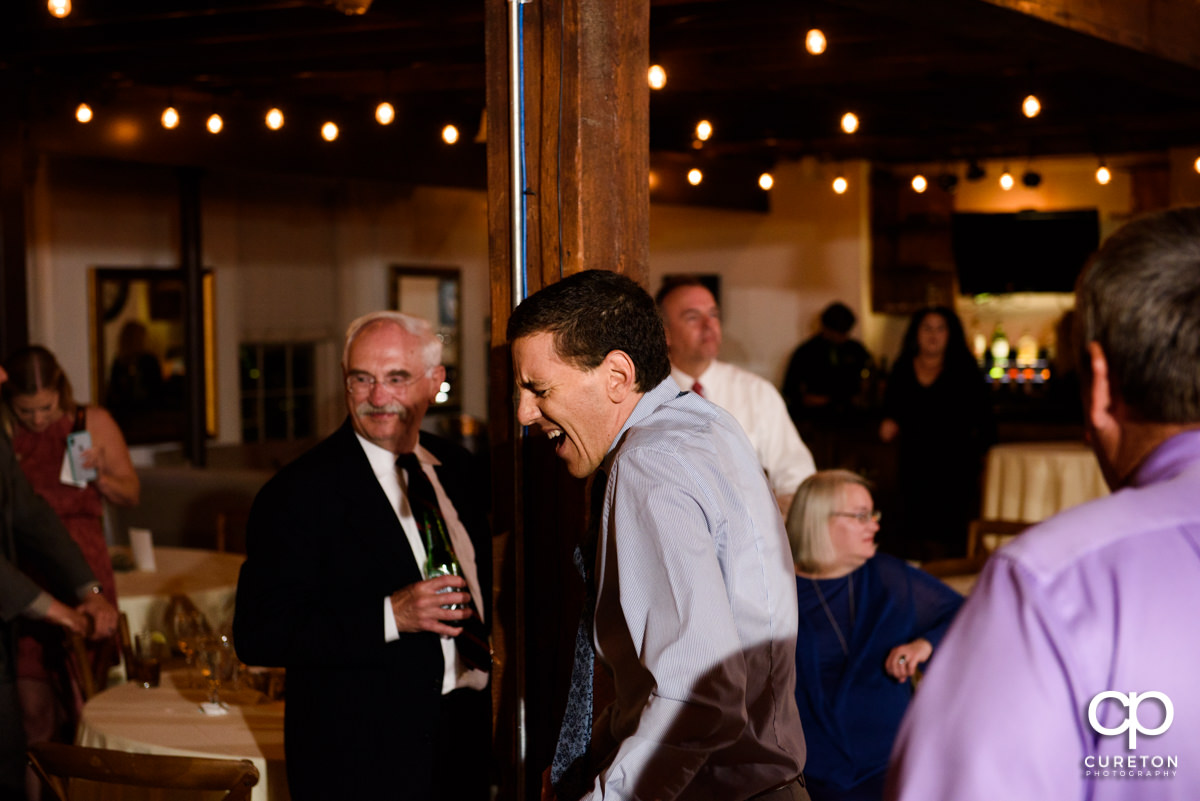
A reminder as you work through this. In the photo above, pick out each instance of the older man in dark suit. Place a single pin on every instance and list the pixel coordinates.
(386, 687)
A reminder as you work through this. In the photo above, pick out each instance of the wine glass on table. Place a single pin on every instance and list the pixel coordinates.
(189, 628)
(218, 664)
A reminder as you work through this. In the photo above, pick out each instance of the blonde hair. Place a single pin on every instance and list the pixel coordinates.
(808, 519)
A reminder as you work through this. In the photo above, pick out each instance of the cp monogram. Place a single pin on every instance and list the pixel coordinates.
(1131, 722)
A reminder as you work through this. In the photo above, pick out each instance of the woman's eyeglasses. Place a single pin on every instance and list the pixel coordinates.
(873, 516)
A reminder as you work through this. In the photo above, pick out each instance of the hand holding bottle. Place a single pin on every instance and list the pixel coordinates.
(423, 606)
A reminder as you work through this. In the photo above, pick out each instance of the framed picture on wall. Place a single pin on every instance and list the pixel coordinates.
(435, 294)
(138, 344)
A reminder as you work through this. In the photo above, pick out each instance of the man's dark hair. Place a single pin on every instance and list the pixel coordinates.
(673, 282)
(593, 313)
(1139, 298)
(838, 318)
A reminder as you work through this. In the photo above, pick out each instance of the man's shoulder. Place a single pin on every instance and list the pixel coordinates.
(1116, 528)
(328, 457)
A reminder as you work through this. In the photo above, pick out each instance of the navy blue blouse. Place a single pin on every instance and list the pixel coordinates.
(850, 707)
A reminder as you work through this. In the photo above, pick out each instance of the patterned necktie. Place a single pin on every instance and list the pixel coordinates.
(472, 643)
(699, 390)
(569, 772)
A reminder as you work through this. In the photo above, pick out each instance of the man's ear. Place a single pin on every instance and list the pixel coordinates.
(620, 376)
(1099, 399)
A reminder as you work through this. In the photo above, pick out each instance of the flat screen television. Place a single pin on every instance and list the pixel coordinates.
(1026, 251)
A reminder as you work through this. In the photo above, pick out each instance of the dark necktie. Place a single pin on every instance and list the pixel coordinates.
(569, 772)
(472, 643)
(699, 390)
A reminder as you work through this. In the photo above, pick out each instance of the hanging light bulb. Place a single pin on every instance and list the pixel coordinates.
(274, 119)
(329, 131)
(83, 113)
(704, 130)
(849, 122)
(170, 118)
(766, 181)
(385, 113)
(1006, 180)
(214, 124)
(1103, 174)
(657, 77)
(840, 185)
(59, 8)
(1196, 165)
(814, 41)
(695, 176)
(653, 180)
(449, 134)
(919, 184)
(1031, 106)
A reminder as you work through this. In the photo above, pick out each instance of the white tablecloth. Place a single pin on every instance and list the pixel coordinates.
(167, 720)
(209, 578)
(1030, 481)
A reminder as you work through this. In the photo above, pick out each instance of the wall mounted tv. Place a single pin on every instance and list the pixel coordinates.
(1027, 251)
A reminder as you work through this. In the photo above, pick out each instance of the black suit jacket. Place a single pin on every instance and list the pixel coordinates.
(324, 548)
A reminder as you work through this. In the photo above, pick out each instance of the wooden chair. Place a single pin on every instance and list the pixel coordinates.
(92, 674)
(58, 764)
(231, 530)
(984, 537)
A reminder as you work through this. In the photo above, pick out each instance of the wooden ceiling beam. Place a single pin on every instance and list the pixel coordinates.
(1166, 29)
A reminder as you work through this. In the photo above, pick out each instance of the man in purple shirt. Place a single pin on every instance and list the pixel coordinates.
(1072, 670)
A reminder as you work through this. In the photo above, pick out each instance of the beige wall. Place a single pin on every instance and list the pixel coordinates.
(298, 259)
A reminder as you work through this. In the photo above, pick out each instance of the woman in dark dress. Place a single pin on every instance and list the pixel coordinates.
(938, 409)
(866, 623)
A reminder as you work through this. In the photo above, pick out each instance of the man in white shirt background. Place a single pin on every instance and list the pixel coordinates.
(692, 320)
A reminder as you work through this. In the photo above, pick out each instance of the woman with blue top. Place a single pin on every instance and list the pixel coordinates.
(867, 623)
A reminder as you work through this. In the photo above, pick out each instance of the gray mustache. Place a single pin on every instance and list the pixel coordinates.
(391, 408)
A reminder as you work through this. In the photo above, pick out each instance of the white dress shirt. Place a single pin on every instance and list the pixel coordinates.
(759, 408)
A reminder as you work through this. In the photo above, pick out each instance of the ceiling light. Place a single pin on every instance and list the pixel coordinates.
(329, 131)
(850, 122)
(274, 119)
(704, 130)
(814, 41)
(1196, 165)
(1006, 180)
(214, 124)
(975, 172)
(59, 8)
(695, 176)
(840, 185)
(766, 181)
(1031, 179)
(449, 134)
(83, 112)
(919, 184)
(653, 180)
(170, 118)
(385, 112)
(1031, 106)
(1103, 174)
(657, 77)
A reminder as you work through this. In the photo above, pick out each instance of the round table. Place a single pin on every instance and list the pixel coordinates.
(168, 720)
(208, 578)
(1030, 481)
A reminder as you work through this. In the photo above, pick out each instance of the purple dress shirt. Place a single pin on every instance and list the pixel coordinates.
(1102, 598)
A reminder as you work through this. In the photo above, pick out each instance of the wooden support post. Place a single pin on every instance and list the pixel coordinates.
(587, 168)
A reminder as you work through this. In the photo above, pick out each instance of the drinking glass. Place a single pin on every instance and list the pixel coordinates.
(218, 664)
(188, 626)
